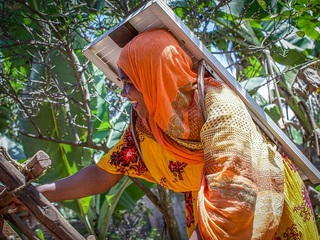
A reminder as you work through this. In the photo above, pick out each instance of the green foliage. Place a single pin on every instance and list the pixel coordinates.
(109, 205)
(296, 136)
(133, 224)
(5, 118)
(99, 106)
(239, 9)
(273, 111)
(65, 106)
(254, 67)
(130, 197)
(256, 87)
(40, 234)
(287, 48)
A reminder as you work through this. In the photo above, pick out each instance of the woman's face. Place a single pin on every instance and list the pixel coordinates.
(133, 95)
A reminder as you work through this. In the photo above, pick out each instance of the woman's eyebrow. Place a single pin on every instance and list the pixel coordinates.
(125, 78)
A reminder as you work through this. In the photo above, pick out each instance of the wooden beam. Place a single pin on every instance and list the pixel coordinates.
(6, 231)
(21, 225)
(16, 183)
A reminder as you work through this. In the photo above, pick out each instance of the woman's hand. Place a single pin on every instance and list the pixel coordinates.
(88, 181)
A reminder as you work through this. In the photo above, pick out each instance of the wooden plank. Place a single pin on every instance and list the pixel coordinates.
(31, 169)
(37, 165)
(5, 199)
(21, 225)
(6, 231)
(36, 203)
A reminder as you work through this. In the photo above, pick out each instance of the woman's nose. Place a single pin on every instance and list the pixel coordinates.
(124, 91)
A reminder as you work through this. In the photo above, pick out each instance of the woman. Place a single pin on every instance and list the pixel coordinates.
(236, 184)
(247, 191)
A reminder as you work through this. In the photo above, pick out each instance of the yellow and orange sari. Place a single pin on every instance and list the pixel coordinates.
(236, 184)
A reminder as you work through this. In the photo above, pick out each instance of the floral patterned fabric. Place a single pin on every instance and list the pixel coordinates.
(297, 221)
(157, 166)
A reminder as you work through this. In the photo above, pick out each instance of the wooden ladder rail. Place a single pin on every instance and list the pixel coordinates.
(17, 185)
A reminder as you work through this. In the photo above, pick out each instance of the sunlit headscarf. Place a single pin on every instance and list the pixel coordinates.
(162, 71)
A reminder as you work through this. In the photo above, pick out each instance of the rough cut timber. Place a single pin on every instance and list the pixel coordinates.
(17, 185)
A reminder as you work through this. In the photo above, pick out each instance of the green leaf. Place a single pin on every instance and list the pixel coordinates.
(254, 68)
(260, 99)
(273, 111)
(263, 4)
(253, 83)
(131, 195)
(222, 44)
(74, 205)
(301, 34)
(109, 205)
(296, 136)
(289, 75)
(255, 24)
(238, 8)
(310, 28)
(289, 49)
(26, 21)
(40, 234)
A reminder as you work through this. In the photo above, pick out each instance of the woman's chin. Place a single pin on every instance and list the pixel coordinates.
(142, 114)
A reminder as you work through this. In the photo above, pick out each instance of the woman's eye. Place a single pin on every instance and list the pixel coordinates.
(127, 84)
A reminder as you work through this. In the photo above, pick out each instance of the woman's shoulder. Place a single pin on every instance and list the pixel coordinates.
(211, 83)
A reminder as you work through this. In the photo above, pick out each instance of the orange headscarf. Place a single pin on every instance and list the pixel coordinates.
(162, 71)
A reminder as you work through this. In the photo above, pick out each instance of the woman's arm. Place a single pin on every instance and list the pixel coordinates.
(88, 181)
